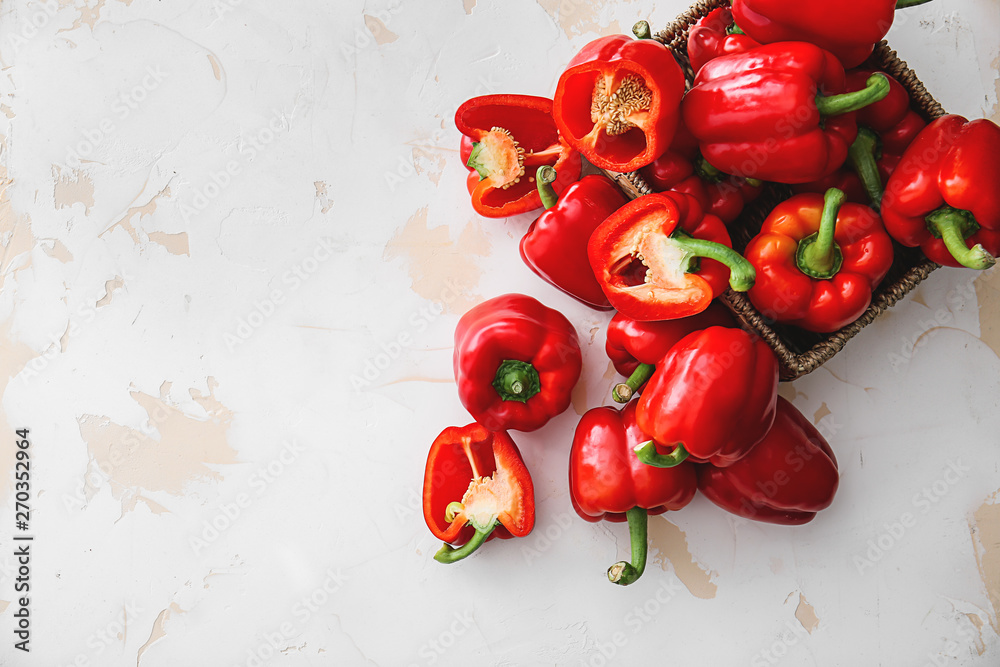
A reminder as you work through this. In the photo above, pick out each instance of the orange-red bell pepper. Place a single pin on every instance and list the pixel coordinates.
(818, 260)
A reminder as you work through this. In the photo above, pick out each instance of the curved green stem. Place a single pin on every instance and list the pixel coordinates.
(449, 554)
(734, 29)
(741, 272)
(544, 178)
(818, 255)
(903, 4)
(862, 156)
(706, 171)
(834, 105)
(953, 226)
(516, 381)
(624, 573)
(622, 393)
(641, 30)
(646, 452)
(753, 182)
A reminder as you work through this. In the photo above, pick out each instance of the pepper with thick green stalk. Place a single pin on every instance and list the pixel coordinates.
(606, 482)
(819, 259)
(660, 257)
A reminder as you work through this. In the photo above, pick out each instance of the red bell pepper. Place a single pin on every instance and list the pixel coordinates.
(711, 398)
(683, 169)
(607, 482)
(777, 112)
(555, 246)
(516, 362)
(636, 347)
(646, 258)
(849, 28)
(511, 135)
(945, 194)
(476, 487)
(617, 102)
(714, 35)
(786, 479)
(818, 260)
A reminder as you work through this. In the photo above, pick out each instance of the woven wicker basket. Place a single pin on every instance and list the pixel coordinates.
(800, 351)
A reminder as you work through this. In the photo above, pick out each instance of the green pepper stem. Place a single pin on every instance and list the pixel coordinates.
(706, 171)
(622, 393)
(862, 158)
(646, 452)
(953, 226)
(877, 87)
(734, 29)
(544, 178)
(818, 255)
(753, 182)
(449, 554)
(903, 4)
(741, 272)
(624, 573)
(641, 30)
(516, 381)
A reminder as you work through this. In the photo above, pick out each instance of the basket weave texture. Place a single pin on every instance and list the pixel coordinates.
(800, 352)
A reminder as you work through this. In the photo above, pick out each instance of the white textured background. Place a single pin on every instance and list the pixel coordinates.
(218, 219)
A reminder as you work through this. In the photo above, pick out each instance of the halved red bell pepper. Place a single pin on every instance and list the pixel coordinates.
(660, 257)
(607, 482)
(511, 136)
(711, 398)
(849, 28)
(786, 479)
(683, 169)
(636, 347)
(555, 246)
(476, 487)
(617, 102)
(516, 362)
(818, 260)
(714, 35)
(777, 112)
(945, 194)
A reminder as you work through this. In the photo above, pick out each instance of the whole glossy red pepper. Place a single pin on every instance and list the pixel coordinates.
(476, 487)
(716, 35)
(683, 169)
(516, 362)
(786, 479)
(945, 193)
(617, 102)
(555, 246)
(776, 113)
(507, 138)
(849, 28)
(818, 260)
(660, 257)
(711, 398)
(636, 347)
(607, 482)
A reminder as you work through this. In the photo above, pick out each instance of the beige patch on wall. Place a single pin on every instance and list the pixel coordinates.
(577, 17)
(805, 614)
(985, 532)
(378, 30)
(441, 270)
(71, 188)
(167, 452)
(988, 294)
(671, 542)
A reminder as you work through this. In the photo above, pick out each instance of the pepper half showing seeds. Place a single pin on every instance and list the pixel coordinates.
(616, 108)
(499, 157)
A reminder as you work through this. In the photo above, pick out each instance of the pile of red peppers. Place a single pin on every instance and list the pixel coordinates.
(781, 94)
